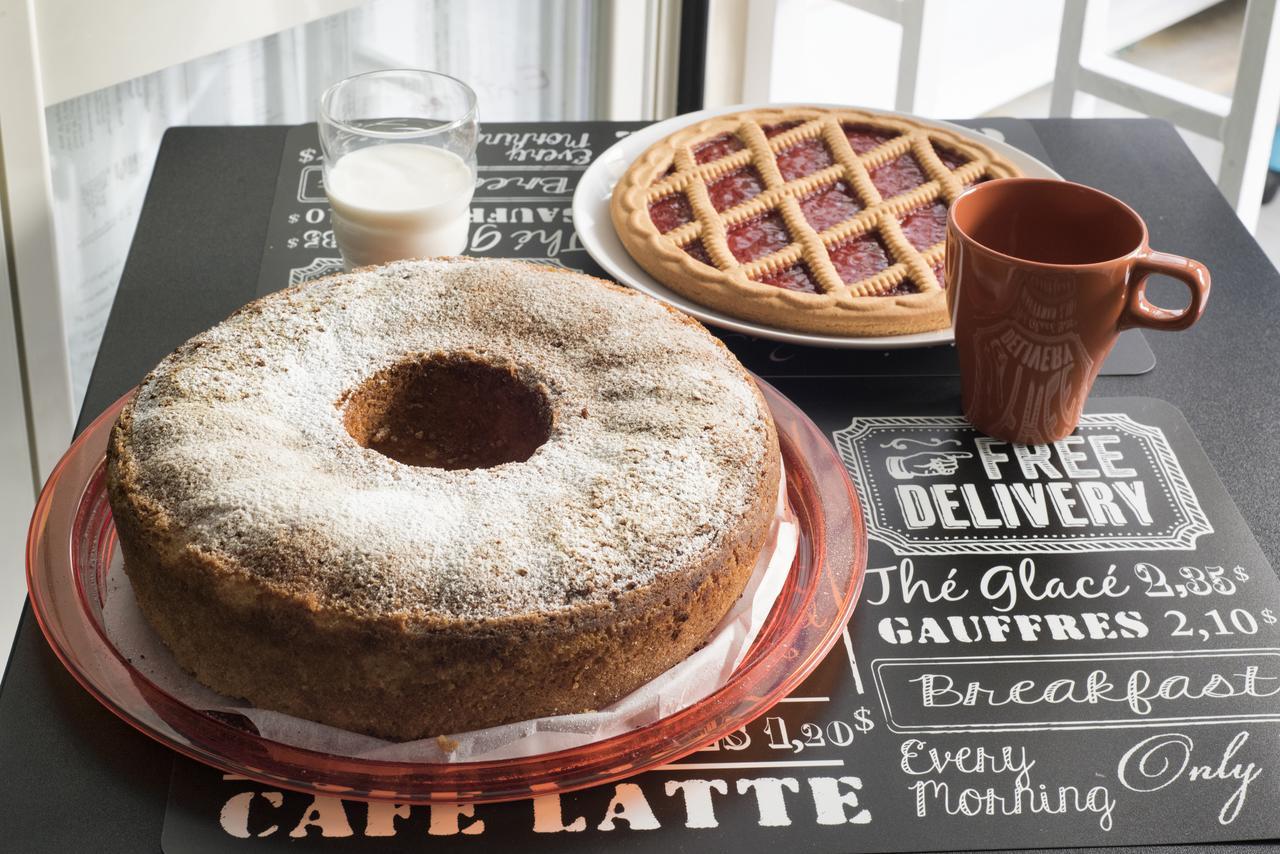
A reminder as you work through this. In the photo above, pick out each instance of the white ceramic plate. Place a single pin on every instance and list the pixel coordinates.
(595, 230)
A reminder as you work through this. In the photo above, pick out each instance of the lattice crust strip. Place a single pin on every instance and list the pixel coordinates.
(839, 204)
(782, 196)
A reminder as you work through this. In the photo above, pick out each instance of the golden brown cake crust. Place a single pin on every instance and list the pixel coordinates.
(296, 631)
(874, 305)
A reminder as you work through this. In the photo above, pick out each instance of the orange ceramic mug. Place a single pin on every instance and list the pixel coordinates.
(1042, 277)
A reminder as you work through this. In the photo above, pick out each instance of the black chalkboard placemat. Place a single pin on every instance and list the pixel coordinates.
(522, 209)
(1067, 645)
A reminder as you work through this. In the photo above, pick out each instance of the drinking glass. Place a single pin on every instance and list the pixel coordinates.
(399, 164)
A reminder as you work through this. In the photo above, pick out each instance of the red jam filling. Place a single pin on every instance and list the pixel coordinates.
(926, 225)
(797, 278)
(898, 176)
(981, 179)
(830, 206)
(698, 252)
(803, 158)
(670, 212)
(671, 170)
(781, 127)
(735, 188)
(950, 158)
(859, 257)
(716, 147)
(758, 237)
(863, 138)
(906, 286)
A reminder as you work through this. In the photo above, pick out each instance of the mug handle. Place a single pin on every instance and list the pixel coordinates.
(1139, 312)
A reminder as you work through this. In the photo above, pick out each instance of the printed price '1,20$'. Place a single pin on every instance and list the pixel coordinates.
(837, 733)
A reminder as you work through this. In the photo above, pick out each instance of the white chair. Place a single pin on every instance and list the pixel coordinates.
(1244, 123)
(914, 68)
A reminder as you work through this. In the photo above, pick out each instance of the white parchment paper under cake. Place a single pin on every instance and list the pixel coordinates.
(691, 680)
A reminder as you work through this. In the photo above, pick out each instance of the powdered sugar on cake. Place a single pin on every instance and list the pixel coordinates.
(656, 448)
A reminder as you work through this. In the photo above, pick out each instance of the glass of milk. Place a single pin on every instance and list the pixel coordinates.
(399, 164)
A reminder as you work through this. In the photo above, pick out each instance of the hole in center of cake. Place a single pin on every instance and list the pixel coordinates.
(448, 411)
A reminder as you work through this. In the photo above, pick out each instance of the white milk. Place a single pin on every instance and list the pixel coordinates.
(399, 200)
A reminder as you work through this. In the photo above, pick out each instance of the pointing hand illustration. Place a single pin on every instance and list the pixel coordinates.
(925, 464)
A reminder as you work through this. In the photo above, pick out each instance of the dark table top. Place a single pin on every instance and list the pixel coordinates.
(74, 777)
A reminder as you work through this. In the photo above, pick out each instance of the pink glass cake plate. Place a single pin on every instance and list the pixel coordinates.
(72, 540)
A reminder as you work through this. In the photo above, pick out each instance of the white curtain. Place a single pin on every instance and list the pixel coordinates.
(526, 60)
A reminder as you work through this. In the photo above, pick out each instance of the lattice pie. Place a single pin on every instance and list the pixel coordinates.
(810, 219)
